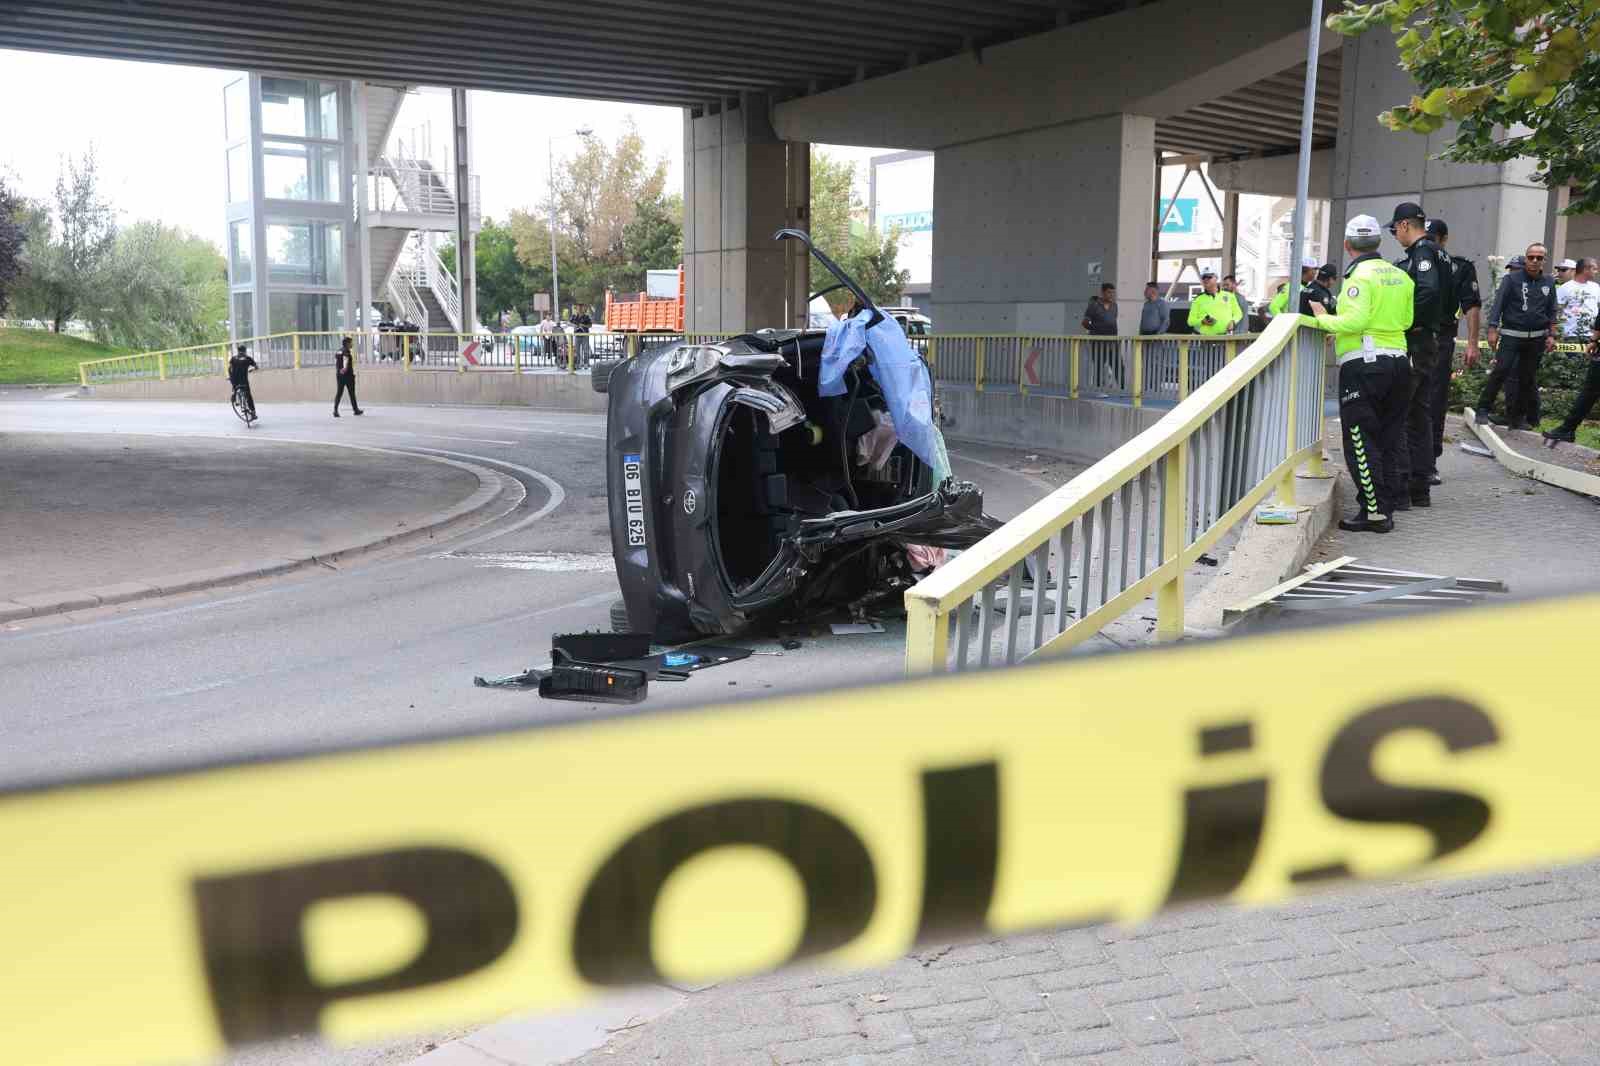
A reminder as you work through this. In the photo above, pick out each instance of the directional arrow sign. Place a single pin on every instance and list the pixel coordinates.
(1030, 366)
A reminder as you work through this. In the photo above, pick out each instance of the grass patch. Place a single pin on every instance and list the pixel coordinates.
(37, 356)
(1588, 432)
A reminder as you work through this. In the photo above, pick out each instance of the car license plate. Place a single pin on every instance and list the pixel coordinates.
(633, 496)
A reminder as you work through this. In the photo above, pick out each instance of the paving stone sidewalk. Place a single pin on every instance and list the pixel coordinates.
(1499, 970)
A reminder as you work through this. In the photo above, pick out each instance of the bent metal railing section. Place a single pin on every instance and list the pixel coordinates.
(1128, 527)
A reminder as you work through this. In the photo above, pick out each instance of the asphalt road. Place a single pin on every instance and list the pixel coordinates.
(385, 648)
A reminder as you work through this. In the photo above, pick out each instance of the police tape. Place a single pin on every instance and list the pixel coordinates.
(431, 883)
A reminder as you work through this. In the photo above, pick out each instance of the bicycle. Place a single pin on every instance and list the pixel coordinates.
(243, 407)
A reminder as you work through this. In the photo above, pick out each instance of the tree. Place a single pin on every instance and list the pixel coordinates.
(652, 241)
(62, 272)
(503, 280)
(1519, 77)
(860, 250)
(13, 239)
(161, 287)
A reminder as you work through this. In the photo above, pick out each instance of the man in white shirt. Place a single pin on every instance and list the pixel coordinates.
(1578, 304)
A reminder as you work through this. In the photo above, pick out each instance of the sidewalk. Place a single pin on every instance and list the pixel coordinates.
(1503, 970)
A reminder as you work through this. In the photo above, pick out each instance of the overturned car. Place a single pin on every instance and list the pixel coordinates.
(777, 475)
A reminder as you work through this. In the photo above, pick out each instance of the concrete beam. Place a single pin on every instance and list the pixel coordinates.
(1146, 61)
(1274, 175)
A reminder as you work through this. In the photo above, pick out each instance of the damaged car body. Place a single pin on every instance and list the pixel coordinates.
(776, 475)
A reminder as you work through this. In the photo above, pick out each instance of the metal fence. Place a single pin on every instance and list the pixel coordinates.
(1129, 526)
(513, 352)
(1136, 369)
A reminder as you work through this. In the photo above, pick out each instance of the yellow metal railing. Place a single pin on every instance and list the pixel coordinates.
(1160, 367)
(515, 352)
(1128, 527)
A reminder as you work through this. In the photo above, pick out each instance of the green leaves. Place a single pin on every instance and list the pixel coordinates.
(1494, 66)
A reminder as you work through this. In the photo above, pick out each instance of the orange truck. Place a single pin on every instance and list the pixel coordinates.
(643, 313)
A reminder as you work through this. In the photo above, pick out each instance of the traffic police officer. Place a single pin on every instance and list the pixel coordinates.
(1430, 273)
(1461, 300)
(1308, 275)
(1375, 311)
(1211, 312)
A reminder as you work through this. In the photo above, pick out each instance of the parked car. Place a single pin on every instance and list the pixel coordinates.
(737, 492)
(912, 321)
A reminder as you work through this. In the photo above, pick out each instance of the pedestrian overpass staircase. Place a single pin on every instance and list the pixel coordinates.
(411, 202)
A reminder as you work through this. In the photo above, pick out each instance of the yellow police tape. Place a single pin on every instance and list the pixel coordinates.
(439, 882)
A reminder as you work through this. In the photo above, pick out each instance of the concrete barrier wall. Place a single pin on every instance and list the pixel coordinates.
(1082, 429)
(565, 392)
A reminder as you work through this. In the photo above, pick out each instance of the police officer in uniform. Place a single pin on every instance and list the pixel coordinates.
(1430, 273)
(1375, 312)
(1461, 300)
(1308, 277)
(1321, 290)
(1519, 331)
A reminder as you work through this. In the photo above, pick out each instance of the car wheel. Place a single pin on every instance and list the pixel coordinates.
(619, 617)
(600, 373)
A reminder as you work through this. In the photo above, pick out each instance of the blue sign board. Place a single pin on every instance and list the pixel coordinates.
(1181, 220)
(913, 221)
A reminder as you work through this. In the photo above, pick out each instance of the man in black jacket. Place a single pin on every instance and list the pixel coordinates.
(1461, 300)
(1519, 331)
(239, 367)
(344, 371)
(1430, 272)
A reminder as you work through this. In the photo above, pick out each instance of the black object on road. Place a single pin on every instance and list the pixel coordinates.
(593, 683)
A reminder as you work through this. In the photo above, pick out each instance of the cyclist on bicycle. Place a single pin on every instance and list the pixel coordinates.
(239, 368)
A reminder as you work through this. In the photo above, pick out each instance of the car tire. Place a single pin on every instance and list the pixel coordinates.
(619, 617)
(600, 373)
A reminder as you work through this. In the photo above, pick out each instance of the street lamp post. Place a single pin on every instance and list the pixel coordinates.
(555, 271)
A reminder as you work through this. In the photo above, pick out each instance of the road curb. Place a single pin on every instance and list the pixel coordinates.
(1265, 556)
(490, 486)
(1528, 467)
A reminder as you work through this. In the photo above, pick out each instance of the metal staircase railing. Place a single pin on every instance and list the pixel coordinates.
(407, 301)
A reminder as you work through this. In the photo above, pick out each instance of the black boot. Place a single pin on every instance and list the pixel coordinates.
(1365, 523)
(335, 412)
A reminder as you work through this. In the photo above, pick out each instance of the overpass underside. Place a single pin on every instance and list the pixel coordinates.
(1047, 118)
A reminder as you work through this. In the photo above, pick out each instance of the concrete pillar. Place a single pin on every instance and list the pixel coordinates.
(735, 198)
(1492, 209)
(466, 245)
(358, 273)
(1031, 224)
(797, 265)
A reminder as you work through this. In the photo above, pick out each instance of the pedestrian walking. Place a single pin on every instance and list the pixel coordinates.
(1461, 300)
(344, 372)
(1155, 316)
(1429, 271)
(1376, 306)
(1520, 318)
(1212, 313)
(1568, 429)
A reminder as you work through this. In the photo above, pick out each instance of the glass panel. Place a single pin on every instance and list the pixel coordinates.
(291, 171)
(305, 253)
(236, 106)
(239, 174)
(328, 107)
(307, 312)
(283, 107)
(239, 251)
(294, 107)
(243, 311)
